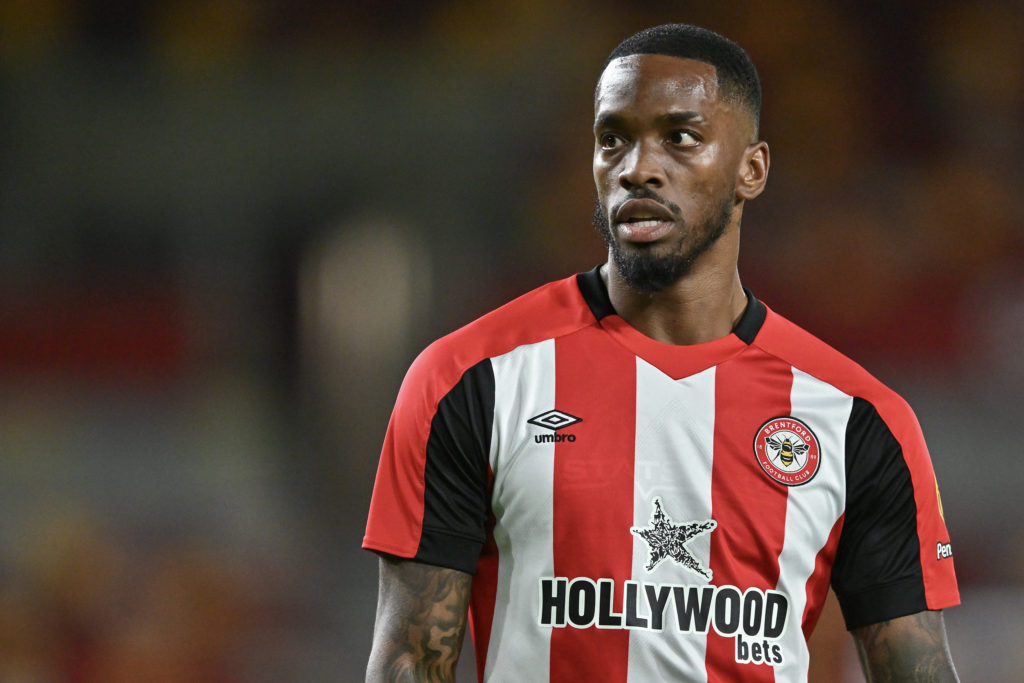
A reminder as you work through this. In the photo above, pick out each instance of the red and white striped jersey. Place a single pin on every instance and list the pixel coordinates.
(639, 511)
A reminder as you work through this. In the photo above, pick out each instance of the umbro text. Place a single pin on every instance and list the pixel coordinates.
(553, 438)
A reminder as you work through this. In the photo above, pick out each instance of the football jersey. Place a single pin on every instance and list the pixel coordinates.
(641, 511)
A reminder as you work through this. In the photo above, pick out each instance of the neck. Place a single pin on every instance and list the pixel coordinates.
(704, 305)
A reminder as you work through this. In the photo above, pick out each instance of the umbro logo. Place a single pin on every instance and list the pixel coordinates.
(554, 420)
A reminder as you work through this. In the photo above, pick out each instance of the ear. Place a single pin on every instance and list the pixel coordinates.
(753, 172)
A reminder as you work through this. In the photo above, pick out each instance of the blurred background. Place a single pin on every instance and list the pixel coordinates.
(227, 227)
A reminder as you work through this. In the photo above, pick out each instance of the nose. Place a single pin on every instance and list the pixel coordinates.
(643, 166)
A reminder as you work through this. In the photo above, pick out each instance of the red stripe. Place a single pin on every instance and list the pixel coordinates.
(817, 584)
(485, 590)
(593, 488)
(750, 507)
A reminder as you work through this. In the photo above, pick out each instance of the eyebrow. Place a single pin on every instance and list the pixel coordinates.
(677, 117)
(612, 120)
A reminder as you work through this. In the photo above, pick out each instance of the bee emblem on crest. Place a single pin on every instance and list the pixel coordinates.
(786, 449)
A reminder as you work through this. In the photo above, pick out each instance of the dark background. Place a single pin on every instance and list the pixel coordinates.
(227, 227)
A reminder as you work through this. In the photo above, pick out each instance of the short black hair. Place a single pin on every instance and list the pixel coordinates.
(736, 74)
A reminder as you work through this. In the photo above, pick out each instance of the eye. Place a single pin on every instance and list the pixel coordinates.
(609, 141)
(684, 138)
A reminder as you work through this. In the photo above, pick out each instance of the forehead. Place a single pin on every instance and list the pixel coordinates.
(659, 81)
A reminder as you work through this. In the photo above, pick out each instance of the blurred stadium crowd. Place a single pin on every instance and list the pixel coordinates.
(228, 226)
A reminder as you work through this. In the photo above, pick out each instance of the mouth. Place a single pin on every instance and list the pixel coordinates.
(643, 220)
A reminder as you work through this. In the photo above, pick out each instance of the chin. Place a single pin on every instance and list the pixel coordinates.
(649, 273)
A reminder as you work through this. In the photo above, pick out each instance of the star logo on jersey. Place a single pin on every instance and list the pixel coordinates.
(665, 539)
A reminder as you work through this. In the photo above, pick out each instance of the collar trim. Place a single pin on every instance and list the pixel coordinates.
(596, 295)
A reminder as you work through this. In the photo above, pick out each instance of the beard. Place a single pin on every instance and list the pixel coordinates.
(642, 267)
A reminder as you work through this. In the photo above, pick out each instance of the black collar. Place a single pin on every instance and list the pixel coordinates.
(596, 295)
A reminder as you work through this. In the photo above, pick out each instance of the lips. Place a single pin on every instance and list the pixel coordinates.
(642, 209)
(643, 220)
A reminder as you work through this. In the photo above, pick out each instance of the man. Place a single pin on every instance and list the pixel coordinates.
(642, 473)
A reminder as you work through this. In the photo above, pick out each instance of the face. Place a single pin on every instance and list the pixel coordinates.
(671, 165)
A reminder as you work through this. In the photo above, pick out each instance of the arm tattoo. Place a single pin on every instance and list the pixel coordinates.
(421, 621)
(911, 648)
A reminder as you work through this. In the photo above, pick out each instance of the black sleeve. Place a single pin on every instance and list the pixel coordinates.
(456, 488)
(877, 572)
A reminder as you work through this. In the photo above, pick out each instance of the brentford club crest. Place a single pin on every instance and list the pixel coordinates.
(787, 451)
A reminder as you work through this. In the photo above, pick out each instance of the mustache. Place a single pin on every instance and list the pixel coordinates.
(645, 193)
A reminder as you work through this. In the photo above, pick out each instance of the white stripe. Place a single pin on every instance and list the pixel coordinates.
(675, 431)
(524, 387)
(812, 509)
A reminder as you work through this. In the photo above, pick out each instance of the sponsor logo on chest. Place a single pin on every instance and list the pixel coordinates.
(756, 618)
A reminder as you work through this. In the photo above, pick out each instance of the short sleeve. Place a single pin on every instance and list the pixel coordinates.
(431, 496)
(894, 557)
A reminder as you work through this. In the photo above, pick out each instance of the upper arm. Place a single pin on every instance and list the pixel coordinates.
(910, 648)
(429, 518)
(421, 621)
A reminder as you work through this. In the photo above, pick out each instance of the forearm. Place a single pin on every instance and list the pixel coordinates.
(421, 621)
(911, 648)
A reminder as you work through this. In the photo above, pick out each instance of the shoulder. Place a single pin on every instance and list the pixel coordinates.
(808, 354)
(552, 310)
